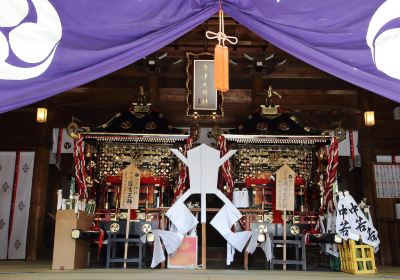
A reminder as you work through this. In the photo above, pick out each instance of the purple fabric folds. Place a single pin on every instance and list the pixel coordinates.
(98, 37)
(47, 47)
(331, 35)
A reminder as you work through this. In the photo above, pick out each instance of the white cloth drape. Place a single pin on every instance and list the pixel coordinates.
(181, 217)
(266, 246)
(172, 241)
(17, 242)
(223, 222)
(7, 169)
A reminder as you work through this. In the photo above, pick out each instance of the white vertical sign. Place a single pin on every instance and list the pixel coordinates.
(130, 187)
(17, 242)
(285, 198)
(285, 188)
(7, 170)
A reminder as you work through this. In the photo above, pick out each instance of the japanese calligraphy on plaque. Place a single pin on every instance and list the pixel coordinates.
(204, 93)
(387, 180)
(285, 188)
(201, 96)
(130, 187)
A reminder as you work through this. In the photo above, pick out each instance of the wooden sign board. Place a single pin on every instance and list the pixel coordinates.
(130, 187)
(387, 180)
(285, 188)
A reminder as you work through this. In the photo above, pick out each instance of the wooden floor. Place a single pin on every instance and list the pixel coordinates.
(42, 271)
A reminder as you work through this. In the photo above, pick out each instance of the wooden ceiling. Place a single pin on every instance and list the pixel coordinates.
(315, 97)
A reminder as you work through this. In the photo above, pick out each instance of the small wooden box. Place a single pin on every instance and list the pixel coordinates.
(69, 253)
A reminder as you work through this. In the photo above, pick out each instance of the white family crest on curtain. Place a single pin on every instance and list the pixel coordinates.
(7, 169)
(385, 44)
(30, 42)
(19, 223)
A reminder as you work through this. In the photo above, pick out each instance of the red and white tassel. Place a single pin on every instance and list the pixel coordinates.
(226, 166)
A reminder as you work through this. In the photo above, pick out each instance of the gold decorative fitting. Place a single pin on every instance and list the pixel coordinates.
(72, 129)
(114, 227)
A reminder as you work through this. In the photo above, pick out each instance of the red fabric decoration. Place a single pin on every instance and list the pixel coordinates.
(183, 171)
(225, 167)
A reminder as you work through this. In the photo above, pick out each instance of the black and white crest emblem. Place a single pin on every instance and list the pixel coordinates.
(25, 168)
(5, 187)
(21, 205)
(67, 145)
(17, 244)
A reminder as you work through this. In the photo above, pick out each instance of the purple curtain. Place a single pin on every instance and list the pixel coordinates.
(98, 37)
(332, 36)
(47, 47)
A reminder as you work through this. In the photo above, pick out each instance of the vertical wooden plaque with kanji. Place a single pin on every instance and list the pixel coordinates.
(285, 188)
(130, 187)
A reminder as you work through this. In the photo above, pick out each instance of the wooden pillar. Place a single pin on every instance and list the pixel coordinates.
(203, 246)
(246, 254)
(37, 213)
(367, 154)
(152, 84)
(258, 98)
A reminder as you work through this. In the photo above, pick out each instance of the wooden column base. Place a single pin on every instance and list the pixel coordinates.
(203, 246)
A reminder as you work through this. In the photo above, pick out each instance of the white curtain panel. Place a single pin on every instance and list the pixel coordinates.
(7, 167)
(17, 242)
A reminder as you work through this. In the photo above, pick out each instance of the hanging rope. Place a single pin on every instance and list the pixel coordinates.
(221, 54)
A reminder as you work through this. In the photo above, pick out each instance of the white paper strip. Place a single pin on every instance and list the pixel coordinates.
(7, 166)
(17, 243)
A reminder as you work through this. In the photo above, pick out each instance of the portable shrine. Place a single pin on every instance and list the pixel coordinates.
(142, 136)
(267, 140)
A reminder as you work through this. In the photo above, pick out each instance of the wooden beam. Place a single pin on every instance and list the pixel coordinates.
(37, 213)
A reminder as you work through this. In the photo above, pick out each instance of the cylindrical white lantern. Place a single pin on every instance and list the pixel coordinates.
(41, 115)
(369, 118)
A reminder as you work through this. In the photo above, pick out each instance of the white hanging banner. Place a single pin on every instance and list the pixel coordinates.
(20, 217)
(360, 223)
(344, 145)
(62, 142)
(7, 168)
(351, 222)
